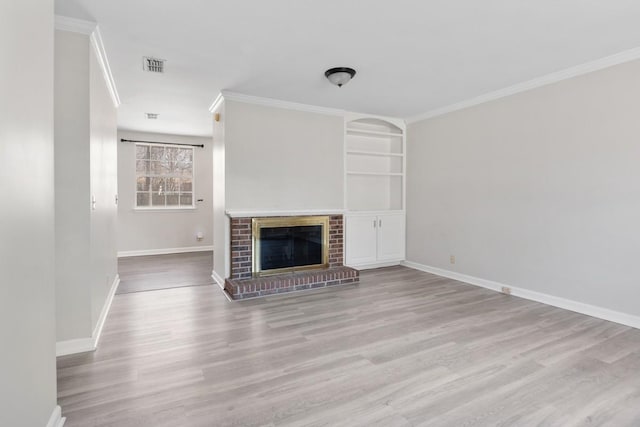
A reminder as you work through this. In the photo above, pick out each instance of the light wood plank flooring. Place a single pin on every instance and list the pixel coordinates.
(402, 348)
(149, 273)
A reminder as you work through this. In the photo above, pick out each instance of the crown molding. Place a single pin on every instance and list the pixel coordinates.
(270, 102)
(65, 23)
(568, 73)
(101, 53)
(91, 29)
(216, 103)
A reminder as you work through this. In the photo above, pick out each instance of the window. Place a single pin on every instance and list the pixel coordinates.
(164, 176)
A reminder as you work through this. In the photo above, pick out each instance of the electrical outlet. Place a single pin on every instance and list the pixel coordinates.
(452, 259)
(506, 290)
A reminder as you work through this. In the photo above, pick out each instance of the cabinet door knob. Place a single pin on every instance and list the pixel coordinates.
(374, 223)
(380, 223)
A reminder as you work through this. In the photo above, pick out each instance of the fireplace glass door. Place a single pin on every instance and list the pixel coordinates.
(289, 244)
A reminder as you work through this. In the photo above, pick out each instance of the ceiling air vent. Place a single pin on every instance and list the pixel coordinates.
(152, 116)
(153, 65)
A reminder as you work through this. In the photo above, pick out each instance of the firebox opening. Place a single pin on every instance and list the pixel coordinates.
(289, 244)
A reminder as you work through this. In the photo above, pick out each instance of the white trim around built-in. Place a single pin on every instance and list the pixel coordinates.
(374, 265)
(91, 29)
(568, 73)
(83, 345)
(56, 419)
(165, 251)
(567, 304)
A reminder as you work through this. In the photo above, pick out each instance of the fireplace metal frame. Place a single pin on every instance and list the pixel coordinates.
(295, 221)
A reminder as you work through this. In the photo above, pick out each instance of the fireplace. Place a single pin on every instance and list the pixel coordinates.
(278, 254)
(289, 244)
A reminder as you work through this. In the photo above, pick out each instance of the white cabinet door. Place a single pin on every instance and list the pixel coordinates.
(360, 242)
(391, 237)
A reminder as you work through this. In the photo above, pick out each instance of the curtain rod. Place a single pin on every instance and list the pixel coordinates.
(162, 143)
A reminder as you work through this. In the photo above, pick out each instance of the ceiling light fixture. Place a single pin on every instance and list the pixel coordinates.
(340, 75)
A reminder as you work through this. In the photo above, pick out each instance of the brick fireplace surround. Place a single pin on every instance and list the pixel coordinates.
(241, 284)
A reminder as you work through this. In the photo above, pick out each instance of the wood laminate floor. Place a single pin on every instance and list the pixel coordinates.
(402, 348)
(150, 273)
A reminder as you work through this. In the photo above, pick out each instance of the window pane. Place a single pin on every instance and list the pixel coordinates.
(172, 185)
(157, 184)
(142, 167)
(171, 153)
(142, 151)
(173, 200)
(164, 176)
(159, 168)
(156, 153)
(186, 184)
(171, 168)
(186, 199)
(143, 183)
(142, 199)
(157, 200)
(187, 170)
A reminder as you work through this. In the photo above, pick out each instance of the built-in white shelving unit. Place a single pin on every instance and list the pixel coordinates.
(374, 164)
(374, 153)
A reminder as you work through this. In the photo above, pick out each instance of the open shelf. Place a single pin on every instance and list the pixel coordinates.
(374, 153)
(374, 164)
(373, 133)
(375, 173)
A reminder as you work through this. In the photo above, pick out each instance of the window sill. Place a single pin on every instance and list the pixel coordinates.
(176, 209)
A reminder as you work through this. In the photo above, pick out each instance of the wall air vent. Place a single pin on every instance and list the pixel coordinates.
(153, 65)
(152, 116)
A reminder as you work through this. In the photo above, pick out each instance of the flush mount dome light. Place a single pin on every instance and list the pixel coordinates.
(340, 75)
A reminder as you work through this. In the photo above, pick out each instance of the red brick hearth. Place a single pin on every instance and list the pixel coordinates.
(241, 284)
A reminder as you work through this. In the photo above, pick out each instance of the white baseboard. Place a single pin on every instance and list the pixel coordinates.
(567, 304)
(219, 280)
(374, 265)
(97, 331)
(56, 419)
(83, 345)
(166, 251)
(75, 346)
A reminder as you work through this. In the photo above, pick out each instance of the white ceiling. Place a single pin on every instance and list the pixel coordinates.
(411, 56)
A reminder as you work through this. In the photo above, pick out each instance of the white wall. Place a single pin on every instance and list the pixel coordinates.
(221, 231)
(72, 165)
(27, 321)
(86, 167)
(540, 190)
(155, 230)
(104, 187)
(282, 159)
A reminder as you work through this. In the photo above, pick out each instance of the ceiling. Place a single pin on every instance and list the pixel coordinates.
(411, 56)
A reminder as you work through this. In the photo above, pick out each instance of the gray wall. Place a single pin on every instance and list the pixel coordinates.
(86, 167)
(149, 230)
(27, 323)
(540, 190)
(283, 159)
(73, 187)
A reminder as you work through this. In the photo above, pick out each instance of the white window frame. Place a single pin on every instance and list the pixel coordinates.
(164, 208)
